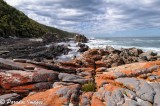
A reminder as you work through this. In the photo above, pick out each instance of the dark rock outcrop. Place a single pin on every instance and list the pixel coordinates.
(35, 50)
(49, 37)
(83, 47)
(80, 38)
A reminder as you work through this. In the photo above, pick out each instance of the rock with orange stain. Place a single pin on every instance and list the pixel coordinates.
(69, 64)
(100, 64)
(85, 72)
(88, 58)
(85, 99)
(59, 96)
(101, 69)
(108, 95)
(13, 78)
(129, 70)
(90, 70)
(97, 102)
(32, 87)
(132, 84)
(100, 82)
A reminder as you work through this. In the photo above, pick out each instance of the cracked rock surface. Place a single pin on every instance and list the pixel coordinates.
(70, 83)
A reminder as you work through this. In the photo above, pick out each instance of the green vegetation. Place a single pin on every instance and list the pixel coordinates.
(89, 87)
(16, 23)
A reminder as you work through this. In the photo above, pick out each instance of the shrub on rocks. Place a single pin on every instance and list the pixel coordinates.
(89, 87)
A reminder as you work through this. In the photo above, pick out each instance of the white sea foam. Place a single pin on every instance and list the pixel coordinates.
(71, 45)
(102, 43)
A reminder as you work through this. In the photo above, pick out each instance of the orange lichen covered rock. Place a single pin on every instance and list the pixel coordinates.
(133, 84)
(101, 69)
(10, 78)
(100, 82)
(59, 96)
(32, 87)
(70, 64)
(100, 64)
(96, 102)
(85, 99)
(130, 71)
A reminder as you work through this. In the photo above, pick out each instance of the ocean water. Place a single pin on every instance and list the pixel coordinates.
(146, 43)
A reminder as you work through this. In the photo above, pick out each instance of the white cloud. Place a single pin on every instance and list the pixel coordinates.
(92, 16)
(14, 2)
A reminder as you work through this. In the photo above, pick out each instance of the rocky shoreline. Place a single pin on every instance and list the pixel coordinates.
(30, 76)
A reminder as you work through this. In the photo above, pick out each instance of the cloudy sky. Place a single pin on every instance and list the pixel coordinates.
(96, 17)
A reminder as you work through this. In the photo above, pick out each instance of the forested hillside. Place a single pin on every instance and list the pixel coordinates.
(15, 23)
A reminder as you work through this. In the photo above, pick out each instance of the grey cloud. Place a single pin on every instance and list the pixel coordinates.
(94, 16)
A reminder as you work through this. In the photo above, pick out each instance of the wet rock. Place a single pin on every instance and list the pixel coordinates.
(33, 49)
(83, 47)
(51, 52)
(80, 38)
